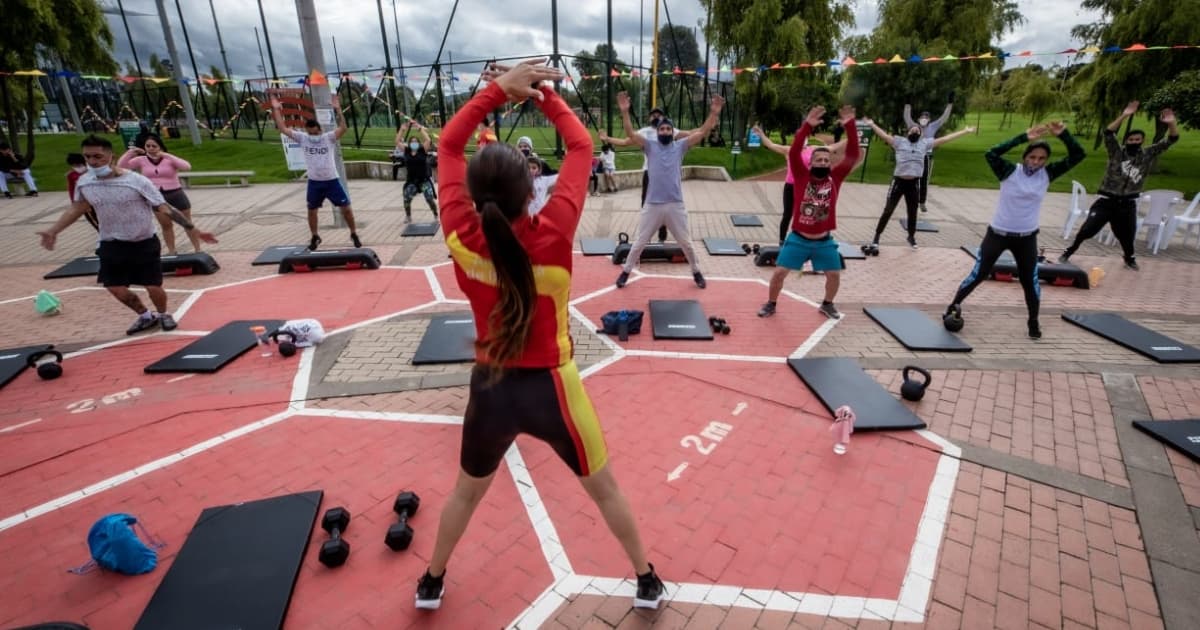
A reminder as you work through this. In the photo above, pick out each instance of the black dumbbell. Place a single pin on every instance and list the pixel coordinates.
(400, 535)
(746, 248)
(719, 325)
(755, 249)
(335, 550)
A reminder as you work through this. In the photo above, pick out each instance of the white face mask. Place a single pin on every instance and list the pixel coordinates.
(923, 121)
(100, 171)
(80, 169)
(414, 146)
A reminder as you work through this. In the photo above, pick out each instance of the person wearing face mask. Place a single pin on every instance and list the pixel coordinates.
(836, 149)
(664, 192)
(1124, 178)
(649, 132)
(1014, 225)
(151, 159)
(543, 185)
(78, 168)
(929, 129)
(912, 153)
(130, 253)
(418, 176)
(814, 217)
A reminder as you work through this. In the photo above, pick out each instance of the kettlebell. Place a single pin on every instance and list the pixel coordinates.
(953, 320)
(622, 238)
(287, 347)
(914, 390)
(48, 363)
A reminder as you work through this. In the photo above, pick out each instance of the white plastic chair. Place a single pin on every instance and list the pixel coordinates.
(1078, 207)
(1188, 220)
(1155, 221)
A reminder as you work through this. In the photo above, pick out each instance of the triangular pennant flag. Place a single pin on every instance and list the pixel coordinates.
(1158, 48)
(614, 73)
(790, 66)
(986, 55)
(316, 78)
(969, 57)
(819, 64)
(880, 60)
(725, 68)
(806, 65)
(700, 71)
(1136, 47)
(932, 58)
(776, 66)
(895, 59)
(949, 58)
(1025, 53)
(1069, 51)
(834, 62)
(849, 61)
(1112, 49)
(738, 70)
(1091, 49)
(915, 59)
(29, 73)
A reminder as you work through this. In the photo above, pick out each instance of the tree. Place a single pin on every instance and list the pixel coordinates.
(677, 48)
(1181, 94)
(594, 91)
(49, 34)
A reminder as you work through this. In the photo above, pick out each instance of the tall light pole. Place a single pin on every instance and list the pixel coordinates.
(177, 69)
(314, 59)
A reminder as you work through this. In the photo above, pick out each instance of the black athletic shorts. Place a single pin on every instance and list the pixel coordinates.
(177, 198)
(127, 263)
(548, 403)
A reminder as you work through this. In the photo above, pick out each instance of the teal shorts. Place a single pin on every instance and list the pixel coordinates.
(798, 250)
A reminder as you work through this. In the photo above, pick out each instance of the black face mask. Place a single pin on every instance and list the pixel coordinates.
(819, 172)
(913, 137)
(666, 139)
(1133, 149)
(525, 151)
(654, 121)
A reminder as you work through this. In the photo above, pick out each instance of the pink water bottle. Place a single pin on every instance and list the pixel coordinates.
(843, 426)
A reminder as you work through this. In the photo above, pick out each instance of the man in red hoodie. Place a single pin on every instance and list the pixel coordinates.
(814, 216)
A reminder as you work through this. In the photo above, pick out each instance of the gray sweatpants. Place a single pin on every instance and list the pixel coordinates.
(674, 216)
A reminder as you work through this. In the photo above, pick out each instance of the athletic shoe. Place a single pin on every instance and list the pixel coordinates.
(430, 591)
(408, 216)
(168, 322)
(622, 279)
(829, 310)
(142, 323)
(1132, 264)
(650, 590)
(767, 310)
(7, 195)
(32, 193)
(923, 209)
(699, 278)
(354, 239)
(1035, 331)
(312, 245)
(1064, 259)
(912, 242)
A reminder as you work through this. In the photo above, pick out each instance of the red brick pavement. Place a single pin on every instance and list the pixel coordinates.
(449, 401)
(1176, 399)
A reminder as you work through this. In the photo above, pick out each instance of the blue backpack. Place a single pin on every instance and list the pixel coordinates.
(115, 546)
(621, 323)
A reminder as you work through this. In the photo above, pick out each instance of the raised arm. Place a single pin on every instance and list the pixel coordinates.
(714, 114)
(769, 143)
(616, 142)
(853, 150)
(908, 121)
(180, 163)
(1110, 132)
(888, 138)
(569, 186)
(277, 116)
(796, 153)
(941, 120)
(1167, 117)
(954, 136)
(994, 156)
(129, 159)
(1075, 153)
(635, 139)
(457, 207)
(341, 118)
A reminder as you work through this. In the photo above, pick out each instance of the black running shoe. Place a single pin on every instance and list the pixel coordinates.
(650, 590)
(767, 310)
(354, 239)
(699, 278)
(829, 310)
(142, 323)
(167, 322)
(912, 242)
(1132, 264)
(312, 244)
(1035, 331)
(430, 591)
(32, 193)
(622, 279)
(1064, 259)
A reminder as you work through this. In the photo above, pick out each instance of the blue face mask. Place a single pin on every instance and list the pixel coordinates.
(101, 171)
(414, 145)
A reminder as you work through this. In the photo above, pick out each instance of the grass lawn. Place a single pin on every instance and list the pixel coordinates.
(957, 164)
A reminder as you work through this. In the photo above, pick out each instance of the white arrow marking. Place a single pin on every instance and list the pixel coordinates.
(675, 474)
(25, 424)
(740, 408)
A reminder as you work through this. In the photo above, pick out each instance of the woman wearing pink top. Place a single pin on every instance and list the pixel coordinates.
(838, 151)
(162, 169)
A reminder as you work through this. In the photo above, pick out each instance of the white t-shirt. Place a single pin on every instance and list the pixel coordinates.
(541, 185)
(651, 135)
(610, 160)
(124, 204)
(318, 154)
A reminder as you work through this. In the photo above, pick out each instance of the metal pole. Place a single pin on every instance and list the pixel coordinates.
(400, 60)
(387, 62)
(262, 60)
(641, 56)
(557, 60)
(220, 42)
(267, 36)
(177, 70)
(314, 59)
(654, 62)
(65, 87)
(195, 69)
(136, 64)
(608, 74)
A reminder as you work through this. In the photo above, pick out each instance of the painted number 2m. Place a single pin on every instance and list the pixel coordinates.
(88, 404)
(714, 432)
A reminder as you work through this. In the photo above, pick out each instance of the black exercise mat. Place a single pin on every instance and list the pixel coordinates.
(87, 266)
(275, 254)
(237, 567)
(1138, 338)
(421, 229)
(449, 338)
(914, 330)
(212, 351)
(850, 251)
(746, 220)
(922, 226)
(679, 319)
(597, 246)
(723, 247)
(15, 360)
(1182, 435)
(840, 381)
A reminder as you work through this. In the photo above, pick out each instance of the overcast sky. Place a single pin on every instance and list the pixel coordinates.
(481, 28)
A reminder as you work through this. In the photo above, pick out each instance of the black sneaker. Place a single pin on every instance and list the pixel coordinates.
(1132, 264)
(923, 208)
(142, 323)
(430, 591)
(650, 590)
(912, 242)
(622, 279)
(312, 244)
(32, 193)
(1064, 259)
(699, 278)
(829, 310)
(354, 239)
(1035, 331)
(767, 310)
(167, 322)
(7, 195)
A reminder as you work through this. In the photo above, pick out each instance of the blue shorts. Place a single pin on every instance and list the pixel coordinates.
(331, 189)
(798, 250)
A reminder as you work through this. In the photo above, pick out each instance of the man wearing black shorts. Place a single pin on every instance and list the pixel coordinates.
(129, 251)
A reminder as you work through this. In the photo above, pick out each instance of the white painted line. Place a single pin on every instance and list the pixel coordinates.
(18, 426)
(101, 346)
(814, 339)
(455, 301)
(739, 408)
(596, 367)
(376, 320)
(122, 478)
(543, 526)
(797, 296)
(947, 447)
(434, 284)
(236, 283)
(596, 293)
(387, 416)
(605, 339)
(34, 297)
(914, 594)
(703, 356)
(180, 378)
(187, 304)
(300, 382)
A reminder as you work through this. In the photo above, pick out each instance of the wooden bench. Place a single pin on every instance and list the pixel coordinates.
(229, 176)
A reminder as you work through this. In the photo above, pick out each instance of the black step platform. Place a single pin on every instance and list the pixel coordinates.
(353, 258)
(421, 229)
(14, 361)
(1182, 435)
(449, 338)
(199, 264)
(915, 331)
(922, 226)
(654, 252)
(723, 247)
(746, 220)
(237, 567)
(1135, 337)
(840, 381)
(597, 246)
(679, 319)
(275, 254)
(212, 351)
(1056, 274)
(87, 266)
